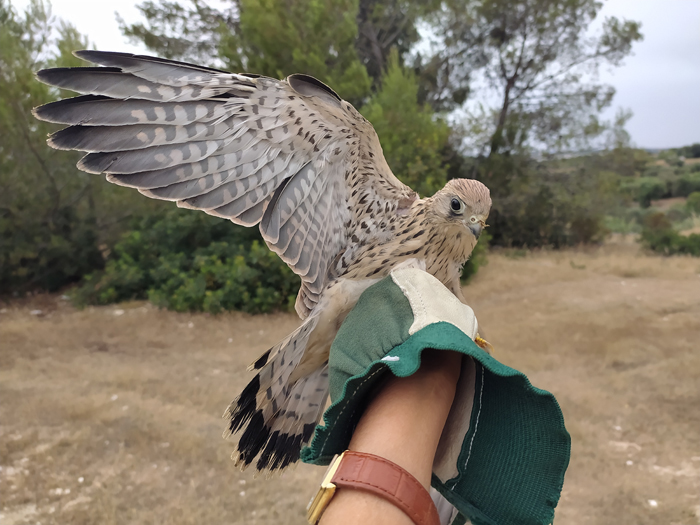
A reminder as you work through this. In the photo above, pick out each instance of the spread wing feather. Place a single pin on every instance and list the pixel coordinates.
(91, 110)
(125, 138)
(289, 155)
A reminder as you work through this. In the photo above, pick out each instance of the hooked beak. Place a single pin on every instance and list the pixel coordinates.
(476, 228)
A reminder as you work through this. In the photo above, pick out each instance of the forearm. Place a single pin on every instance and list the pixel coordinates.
(403, 424)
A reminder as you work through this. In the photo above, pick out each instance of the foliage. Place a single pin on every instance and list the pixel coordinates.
(190, 261)
(693, 202)
(537, 57)
(551, 203)
(671, 157)
(411, 137)
(686, 184)
(689, 152)
(52, 220)
(662, 182)
(386, 26)
(646, 189)
(658, 235)
(57, 225)
(276, 38)
(190, 32)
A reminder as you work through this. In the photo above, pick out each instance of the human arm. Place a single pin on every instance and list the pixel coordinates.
(403, 424)
(503, 448)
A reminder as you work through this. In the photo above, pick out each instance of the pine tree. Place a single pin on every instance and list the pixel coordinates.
(412, 138)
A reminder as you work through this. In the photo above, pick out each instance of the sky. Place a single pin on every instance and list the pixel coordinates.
(659, 83)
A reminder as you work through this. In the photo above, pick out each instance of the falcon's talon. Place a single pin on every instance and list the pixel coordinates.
(484, 344)
(293, 157)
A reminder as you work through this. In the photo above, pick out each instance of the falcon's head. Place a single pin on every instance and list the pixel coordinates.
(464, 202)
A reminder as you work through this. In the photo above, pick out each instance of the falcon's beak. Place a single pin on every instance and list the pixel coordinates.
(476, 228)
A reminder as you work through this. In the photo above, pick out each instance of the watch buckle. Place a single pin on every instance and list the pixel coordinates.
(320, 501)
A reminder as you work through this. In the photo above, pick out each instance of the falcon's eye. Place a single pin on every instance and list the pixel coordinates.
(457, 205)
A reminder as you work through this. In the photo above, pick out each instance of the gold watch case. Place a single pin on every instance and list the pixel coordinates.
(325, 493)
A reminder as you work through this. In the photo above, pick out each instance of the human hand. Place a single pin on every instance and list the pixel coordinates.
(497, 446)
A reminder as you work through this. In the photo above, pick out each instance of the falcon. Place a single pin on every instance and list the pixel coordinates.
(292, 157)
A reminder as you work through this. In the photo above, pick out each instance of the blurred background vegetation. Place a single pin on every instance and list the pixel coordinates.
(501, 91)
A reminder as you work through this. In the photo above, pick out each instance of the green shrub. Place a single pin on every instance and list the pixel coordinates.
(188, 261)
(547, 203)
(693, 202)
(670, 242)
(624, 224)
(671, 157)
(677, 213)
(46, 252)
(659, 236)
(646, 189)
(692, 151)
(686, 184)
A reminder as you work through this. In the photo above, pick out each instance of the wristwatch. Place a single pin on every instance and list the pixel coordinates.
(362, 471)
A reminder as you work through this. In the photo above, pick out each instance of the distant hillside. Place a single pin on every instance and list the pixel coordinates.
(689, 152)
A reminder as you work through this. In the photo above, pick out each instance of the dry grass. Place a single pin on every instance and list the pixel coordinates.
(129, 402)
(665, 204)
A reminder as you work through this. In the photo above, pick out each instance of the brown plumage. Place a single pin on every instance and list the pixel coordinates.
(292, 157)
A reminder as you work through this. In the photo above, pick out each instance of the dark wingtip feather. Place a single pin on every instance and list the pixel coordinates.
(243, 407)
(261, 361)
(95, 56)
(274, 450)
(73, 137)
(280, 451)
(283, 449)
(96, 162)
(64, 77)
(125, 60)
(63, 111)
(253, 439)
(64, 139)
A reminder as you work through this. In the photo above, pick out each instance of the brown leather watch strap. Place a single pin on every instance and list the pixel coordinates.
(383, 478)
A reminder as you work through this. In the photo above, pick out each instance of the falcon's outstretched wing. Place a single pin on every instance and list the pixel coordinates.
(290, 155)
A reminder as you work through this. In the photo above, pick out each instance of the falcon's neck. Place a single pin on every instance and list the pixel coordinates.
(446, 246)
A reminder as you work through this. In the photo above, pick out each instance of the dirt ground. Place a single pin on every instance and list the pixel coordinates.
(112, 415)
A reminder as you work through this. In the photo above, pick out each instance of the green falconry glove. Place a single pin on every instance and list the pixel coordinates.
(504, 449)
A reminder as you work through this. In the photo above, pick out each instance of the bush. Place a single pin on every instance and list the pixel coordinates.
(659, 236)
(547, 203)
(677, 213)
(188, 261)
(646, 189)
(47, 252)
(692, 151)
(621, 224)
(672, 157)
(686, 184)
(693, 202)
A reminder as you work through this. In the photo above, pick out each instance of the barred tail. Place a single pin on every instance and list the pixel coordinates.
(275, 418)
